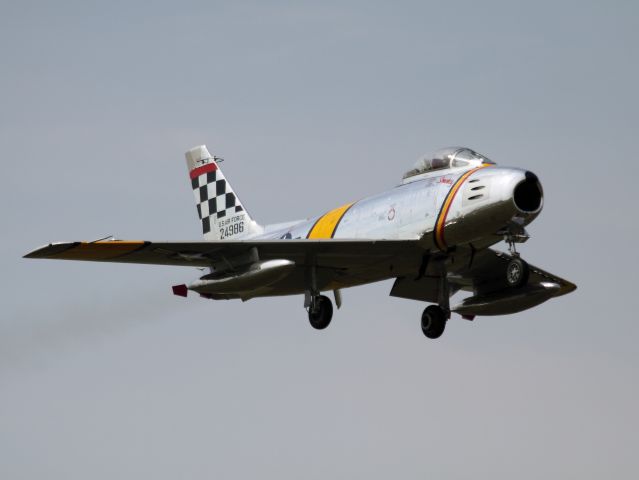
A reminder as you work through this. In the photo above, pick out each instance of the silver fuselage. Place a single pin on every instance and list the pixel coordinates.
(442, 210)
(483, 204)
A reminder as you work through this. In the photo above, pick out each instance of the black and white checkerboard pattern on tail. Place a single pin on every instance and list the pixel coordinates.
(213, 196)
(218, 206)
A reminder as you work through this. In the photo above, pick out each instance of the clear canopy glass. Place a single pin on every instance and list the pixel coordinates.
(451, 157)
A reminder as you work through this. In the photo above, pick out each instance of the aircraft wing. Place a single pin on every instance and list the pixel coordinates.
(486, 273)
(339, 254)
(483, 273)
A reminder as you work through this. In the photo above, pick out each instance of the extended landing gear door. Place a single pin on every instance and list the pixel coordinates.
(425, 289)
(337, 293)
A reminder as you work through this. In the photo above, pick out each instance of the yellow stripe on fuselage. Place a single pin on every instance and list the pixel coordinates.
(327, 224)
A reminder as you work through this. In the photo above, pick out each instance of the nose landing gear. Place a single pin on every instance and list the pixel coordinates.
(517, 270)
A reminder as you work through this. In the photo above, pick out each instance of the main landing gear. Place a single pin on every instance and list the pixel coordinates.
(434, 321)
(320, 312)
(319, 307)
(434, 317)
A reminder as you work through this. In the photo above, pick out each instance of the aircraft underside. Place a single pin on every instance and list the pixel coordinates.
(500, 284)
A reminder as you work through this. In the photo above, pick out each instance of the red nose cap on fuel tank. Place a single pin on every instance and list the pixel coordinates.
(180, 290)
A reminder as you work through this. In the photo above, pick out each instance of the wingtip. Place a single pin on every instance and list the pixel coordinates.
(45, 251)
(34, 253)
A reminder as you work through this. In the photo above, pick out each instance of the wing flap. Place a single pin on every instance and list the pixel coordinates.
(425, 289)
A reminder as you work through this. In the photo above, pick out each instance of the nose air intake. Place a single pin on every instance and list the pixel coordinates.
(528, 194)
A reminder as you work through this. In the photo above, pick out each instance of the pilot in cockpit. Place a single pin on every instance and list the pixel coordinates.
(451, 157)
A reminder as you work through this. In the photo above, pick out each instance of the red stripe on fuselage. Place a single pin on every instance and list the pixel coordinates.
(209, 167)
(440, 224)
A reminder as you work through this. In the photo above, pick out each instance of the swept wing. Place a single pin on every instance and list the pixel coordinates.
(326, 252)
(483, 273)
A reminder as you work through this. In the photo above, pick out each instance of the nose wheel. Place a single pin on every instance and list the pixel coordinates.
(517, 272)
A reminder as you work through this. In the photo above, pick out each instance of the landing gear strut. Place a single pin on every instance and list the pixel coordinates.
(319, 307)
(517, 270)
(435, 317)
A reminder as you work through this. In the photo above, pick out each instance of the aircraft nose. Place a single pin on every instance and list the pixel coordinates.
(527, 194)
(493, 199)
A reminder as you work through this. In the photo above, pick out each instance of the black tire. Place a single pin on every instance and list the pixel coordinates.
(321, 318)
(433, 321)
(517, 272)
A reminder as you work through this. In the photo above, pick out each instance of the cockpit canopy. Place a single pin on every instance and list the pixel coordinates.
(450, 157)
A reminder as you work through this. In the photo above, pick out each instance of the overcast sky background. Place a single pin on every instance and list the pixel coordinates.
(105, 374)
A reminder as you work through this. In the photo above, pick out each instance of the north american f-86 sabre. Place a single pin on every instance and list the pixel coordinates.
(432, 233)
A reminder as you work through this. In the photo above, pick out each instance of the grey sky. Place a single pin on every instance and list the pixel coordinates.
(105, 374)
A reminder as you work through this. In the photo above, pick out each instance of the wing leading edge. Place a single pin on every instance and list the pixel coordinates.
(339, 253)
(344, 263)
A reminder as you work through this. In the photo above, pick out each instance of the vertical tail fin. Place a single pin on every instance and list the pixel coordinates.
(220, 210)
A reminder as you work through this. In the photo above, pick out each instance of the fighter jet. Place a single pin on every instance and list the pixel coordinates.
(432, 233)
